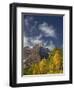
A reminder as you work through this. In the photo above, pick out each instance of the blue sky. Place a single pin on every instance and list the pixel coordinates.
(46, 29)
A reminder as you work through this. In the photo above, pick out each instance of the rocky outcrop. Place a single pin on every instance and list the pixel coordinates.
(34, 55)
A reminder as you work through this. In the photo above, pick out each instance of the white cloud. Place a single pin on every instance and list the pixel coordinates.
(45, 43)
(38, 37)
(51, 46)
(33, 27)
(25, 41)
(36, 40)
(47, 30)
(28, 20)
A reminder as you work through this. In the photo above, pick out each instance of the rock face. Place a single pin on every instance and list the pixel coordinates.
(31, 55)
(34, 55)
(26, 52)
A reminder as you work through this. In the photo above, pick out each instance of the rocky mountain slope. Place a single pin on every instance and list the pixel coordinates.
(34, 55)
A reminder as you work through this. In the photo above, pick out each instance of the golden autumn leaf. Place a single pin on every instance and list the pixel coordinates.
(57, 59)
(36, 69)
(43, 66)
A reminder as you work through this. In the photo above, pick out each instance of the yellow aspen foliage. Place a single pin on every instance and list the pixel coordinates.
(43, 66)
(36, 69)
(57, 60)
(52, 65)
